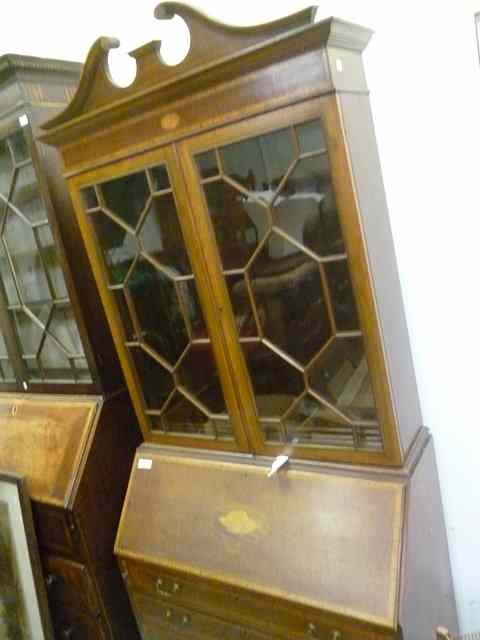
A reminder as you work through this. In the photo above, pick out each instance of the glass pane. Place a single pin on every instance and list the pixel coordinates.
(290, 301)
(26, 195)
(6, 168)
(29, 332)
(7, 277)
(259, 163)
(341, 376)
(127, 197)
(160, 178)
(161, 236)
(55, 364)
(64, 328)
(310, 422)
(27, 263)
(275, 382)
(187, 293)
(311, 136)
(19, 146)
(341, 292)
(239, 222)
(198, 374)
(7, 371)
(3, 347)
(52, 262)
(90, 200)
(207, 164)
(119, 247)
(156, 382)
(183, 417)
(306, 210)
(82, 371)
(158, 311)
(273, 431)
(242, 307)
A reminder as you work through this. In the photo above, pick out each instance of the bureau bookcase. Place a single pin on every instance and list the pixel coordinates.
(234, 216)
(66, 421)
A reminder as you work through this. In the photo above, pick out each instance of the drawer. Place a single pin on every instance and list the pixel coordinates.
(56, 530)
(69, 624)
(274, 617)
(159, 620)
(69, 585)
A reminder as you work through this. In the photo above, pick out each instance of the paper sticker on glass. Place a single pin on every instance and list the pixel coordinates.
(272, 207)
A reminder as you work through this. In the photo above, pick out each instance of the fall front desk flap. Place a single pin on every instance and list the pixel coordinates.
(328, 541)
(44, 438)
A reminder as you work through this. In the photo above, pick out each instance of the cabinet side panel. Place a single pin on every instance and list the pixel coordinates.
(99, 502)
(427, 599)
(368, 184)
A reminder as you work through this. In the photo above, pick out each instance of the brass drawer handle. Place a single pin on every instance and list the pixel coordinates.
(164, 593)
(186, 621)
(313, 631)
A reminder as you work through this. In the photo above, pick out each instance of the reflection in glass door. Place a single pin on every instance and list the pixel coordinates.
(272, 207)
(32, 284)
(136, 224)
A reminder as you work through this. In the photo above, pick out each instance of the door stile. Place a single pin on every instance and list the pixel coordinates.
(238, 376)
(215, 302)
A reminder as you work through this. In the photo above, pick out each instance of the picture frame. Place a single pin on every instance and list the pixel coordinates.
(24, 613)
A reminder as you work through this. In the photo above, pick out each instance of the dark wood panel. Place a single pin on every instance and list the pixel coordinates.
(238, 606)
(428, 599)
(308, 554)
(361, 145)
(57, 530)
(69, 585)
(98, 506)
(159, 620)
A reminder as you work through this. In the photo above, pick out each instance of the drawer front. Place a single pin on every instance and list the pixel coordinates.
(69, 585)
(56, 530)
(158, 620)
(74, 625)
(267, 615)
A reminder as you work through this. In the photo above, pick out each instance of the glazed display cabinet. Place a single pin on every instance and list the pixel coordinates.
(233, 212)
(66, 422)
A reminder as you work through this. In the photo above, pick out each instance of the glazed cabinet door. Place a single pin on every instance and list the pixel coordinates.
(40, 337)
(151, 278)
(282, 244)
(235, 278)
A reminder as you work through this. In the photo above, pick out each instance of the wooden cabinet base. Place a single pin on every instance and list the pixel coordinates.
(75, 454)
(315, 552)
